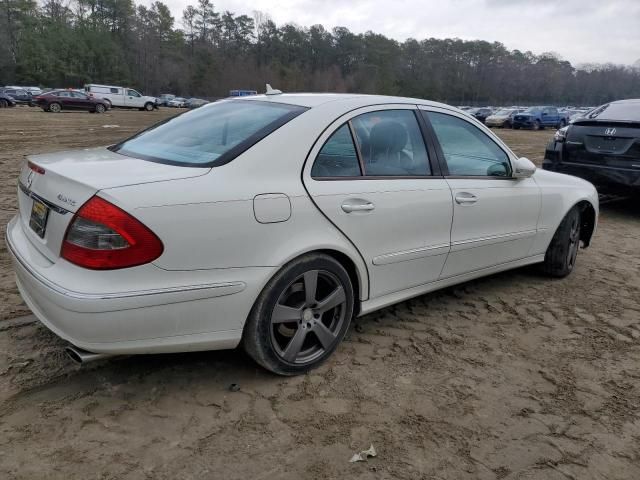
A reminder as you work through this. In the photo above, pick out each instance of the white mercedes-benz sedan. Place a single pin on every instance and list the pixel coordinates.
(271, 221)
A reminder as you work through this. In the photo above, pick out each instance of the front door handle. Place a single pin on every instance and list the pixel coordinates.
(357, 207)
(465, 198)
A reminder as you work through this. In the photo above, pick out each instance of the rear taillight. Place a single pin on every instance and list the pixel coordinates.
(102, 236)
(36, 168)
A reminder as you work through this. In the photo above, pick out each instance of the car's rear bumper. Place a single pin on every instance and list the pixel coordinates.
(523, 124)
(176, 317)
(604, 177)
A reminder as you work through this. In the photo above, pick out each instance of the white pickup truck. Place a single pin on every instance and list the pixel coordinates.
(121, 96)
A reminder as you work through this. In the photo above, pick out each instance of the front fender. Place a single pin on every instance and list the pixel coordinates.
(560, 193)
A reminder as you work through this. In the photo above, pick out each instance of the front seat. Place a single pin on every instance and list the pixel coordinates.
(387, 140)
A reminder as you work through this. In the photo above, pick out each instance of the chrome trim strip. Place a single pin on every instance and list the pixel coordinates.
(35, 196)
(412, 254)
(477, 242)
(233, 287)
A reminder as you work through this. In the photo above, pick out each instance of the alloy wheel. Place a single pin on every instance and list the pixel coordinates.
(308, 316)
(54, 107)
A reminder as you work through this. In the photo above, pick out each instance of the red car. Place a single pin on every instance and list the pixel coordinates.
(58, 100)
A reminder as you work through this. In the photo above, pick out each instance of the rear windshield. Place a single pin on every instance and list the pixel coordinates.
(211, 135)
(623, 112)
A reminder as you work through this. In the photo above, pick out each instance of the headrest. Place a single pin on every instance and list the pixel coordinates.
(388, 136)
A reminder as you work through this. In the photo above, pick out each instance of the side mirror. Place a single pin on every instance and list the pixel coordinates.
(523, 168)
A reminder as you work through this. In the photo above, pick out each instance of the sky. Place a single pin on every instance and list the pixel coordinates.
(581, 31)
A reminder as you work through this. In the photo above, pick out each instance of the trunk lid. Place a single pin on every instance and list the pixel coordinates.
(52, 187)
(608, 144)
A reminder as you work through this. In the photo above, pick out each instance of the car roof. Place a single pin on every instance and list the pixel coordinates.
(311, 100)
(628, 100)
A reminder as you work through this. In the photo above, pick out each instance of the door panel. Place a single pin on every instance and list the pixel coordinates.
(494, 216)
(396, 214)
(498, 227)
(404, 238)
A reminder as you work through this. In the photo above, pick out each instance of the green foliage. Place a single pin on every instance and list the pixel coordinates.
(66, 43)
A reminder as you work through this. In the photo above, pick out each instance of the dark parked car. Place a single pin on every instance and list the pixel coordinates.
(19, 95)
(537, 118)
(603, 147)
(6, 101)
(480, 113)
(58, 100)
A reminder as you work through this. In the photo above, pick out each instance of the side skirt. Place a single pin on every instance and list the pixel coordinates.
(374, 304)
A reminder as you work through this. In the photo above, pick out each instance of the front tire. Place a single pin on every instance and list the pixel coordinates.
(148, 106)
(536, 125)
(3, 103)
(301, 315)
(560, 257)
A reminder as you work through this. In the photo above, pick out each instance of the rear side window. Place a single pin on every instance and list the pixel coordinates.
(209, 136)
(113, 90)
(391, 144)
(467, 150)
(388, 143)
(338, 157)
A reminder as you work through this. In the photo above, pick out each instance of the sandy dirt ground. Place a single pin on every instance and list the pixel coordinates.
(515, 376)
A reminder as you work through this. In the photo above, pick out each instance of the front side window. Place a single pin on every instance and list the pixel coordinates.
(338, 157)
(467, 150)
(211, 135)
(391, 144)
(133, 93)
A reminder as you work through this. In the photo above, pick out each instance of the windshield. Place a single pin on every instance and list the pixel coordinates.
(504, 112)
(620, 111)
(532, 110)
(209, 136)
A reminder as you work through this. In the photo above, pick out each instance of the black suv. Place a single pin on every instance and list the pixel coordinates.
(602, 147)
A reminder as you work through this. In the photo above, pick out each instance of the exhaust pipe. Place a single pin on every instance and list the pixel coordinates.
(81, 356)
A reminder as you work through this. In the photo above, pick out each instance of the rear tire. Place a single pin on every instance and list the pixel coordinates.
(100, 108)
(55, 107)
(3, 103)
(562, 124)
(560, 257)
(109, 105)
(301, 315)
(516, 127)
(536, 125)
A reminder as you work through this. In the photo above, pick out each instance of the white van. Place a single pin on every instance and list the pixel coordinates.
(121, 96)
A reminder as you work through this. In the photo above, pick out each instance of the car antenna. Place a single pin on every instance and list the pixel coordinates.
(272, 91)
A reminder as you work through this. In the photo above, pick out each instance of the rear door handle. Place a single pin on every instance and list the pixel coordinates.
(357, 207)
(465, 198)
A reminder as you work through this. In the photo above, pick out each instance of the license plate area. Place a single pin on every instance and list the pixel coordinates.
(39, 217)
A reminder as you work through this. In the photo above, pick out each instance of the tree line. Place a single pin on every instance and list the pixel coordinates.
(66, 43)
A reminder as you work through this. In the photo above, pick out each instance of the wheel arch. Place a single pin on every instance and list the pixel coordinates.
(587, 221)
(351, 262)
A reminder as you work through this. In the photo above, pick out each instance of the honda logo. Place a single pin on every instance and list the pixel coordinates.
(610, 131)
